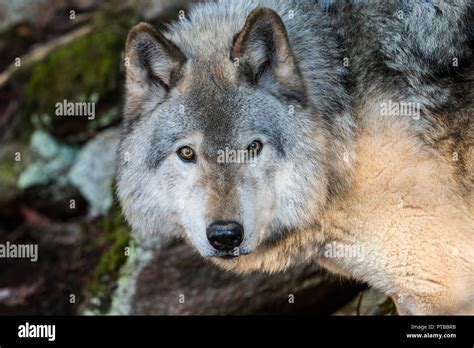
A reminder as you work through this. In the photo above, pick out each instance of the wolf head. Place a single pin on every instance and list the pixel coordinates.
(222, 142)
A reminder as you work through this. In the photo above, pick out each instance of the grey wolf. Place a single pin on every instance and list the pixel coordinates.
(380, 194)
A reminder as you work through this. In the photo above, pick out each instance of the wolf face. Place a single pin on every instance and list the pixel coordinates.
(222, 144)
(238, 137)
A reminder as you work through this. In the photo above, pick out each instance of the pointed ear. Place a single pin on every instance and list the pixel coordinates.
(263, 51)
(152, 61)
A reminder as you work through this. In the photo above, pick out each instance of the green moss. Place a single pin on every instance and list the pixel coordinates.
(8, 174)
(84, 69)
(102, 281)
(10, 169)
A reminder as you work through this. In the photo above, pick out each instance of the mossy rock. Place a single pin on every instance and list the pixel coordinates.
(14, 157)
(87, 70)
(102, 282)
(87, 66)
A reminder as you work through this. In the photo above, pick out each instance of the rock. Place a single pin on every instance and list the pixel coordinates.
(92, 172)
(141, 254)
(171, 279)
(49, 83)
(51, 161)
(369, 302)
(12, 12)
(115, 241)
(17, 295)
(61, 167)
(34, 176)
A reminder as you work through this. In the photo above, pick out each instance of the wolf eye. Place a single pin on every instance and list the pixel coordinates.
(255, 146)
(186, 153)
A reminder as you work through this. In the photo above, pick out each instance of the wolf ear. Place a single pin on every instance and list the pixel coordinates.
(151, 61)
(262, 48)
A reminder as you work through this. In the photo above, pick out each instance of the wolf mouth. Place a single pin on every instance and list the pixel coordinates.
(230, 256)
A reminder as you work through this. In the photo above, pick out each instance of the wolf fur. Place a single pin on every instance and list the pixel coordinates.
(312, 82)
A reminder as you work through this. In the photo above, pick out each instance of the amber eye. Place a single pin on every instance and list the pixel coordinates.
(186, 153)
(255, 146)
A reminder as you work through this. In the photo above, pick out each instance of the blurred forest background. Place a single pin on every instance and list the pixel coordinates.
(56, 185)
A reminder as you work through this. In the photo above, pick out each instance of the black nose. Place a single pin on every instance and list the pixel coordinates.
(225, 235)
